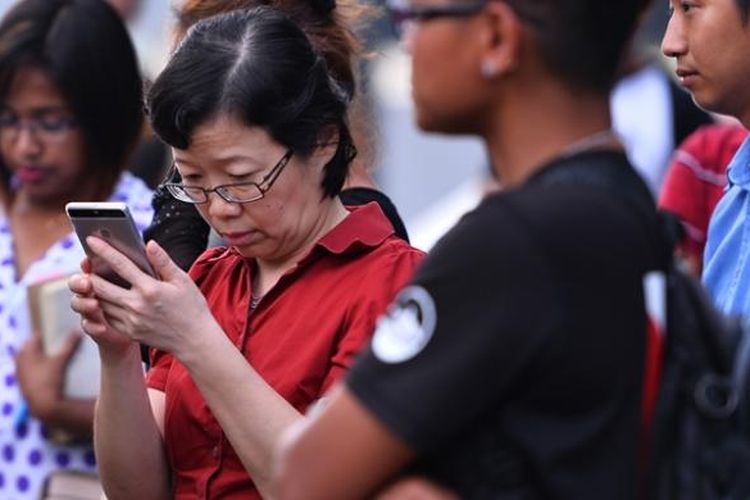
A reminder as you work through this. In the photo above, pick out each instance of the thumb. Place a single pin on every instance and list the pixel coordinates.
(164, 266)
(68, 348)
(34, 344)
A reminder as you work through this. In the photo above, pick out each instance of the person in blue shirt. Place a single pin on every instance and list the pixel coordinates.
(709, 42)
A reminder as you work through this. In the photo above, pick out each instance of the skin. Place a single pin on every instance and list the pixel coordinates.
(709, 42)
(442, 101)
(526, 117)
(278, 229)
(49, 174)
(127, 9)
(171, 314)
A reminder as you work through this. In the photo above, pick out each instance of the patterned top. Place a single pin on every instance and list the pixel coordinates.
(26, 455)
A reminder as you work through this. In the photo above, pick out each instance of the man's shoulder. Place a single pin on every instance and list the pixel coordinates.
(570, 218)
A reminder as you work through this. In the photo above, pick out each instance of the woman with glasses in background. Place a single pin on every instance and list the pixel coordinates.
(70, 113)
(260, 329)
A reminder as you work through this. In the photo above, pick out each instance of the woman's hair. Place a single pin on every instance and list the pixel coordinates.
(85, 50)
(259, 68)
(328, 23)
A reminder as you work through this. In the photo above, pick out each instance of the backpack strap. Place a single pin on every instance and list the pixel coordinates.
(739, 378)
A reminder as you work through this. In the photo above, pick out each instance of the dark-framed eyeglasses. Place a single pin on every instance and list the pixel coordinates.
(238, 192)
(403, 14)
(49, 128)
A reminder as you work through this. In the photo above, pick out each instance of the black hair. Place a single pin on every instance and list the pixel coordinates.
(582, 41)
(744, 6)
(256, 66)
(85, 50)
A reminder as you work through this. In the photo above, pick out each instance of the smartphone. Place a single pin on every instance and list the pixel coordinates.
(112, 222)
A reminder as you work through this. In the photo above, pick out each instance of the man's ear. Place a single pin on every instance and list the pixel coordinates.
(502, 40)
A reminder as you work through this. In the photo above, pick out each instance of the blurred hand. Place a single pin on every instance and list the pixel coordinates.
(169, 314)
(41, 377)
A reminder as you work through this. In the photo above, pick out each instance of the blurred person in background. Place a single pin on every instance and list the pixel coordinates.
(260, 329)
(330, 25)
(651, 113)
(512, 365)
(150, 159)
(70, 114)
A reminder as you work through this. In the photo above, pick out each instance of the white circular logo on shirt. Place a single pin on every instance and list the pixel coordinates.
(406, 328)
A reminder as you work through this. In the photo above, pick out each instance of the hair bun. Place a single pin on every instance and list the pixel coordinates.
(323, 6)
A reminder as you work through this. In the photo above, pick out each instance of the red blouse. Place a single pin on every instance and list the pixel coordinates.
(301, 338)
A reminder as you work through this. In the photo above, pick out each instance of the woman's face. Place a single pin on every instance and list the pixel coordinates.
(40, 141)
(288, 217)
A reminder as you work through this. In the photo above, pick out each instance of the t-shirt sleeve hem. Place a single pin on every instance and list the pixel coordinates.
(417, 436)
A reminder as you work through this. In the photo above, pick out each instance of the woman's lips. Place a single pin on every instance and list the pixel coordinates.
(238, 239)
(31, 175)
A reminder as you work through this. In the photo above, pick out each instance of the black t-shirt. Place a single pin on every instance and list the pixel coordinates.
(513, 364)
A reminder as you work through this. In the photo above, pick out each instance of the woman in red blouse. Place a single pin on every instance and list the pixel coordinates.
(259, 135)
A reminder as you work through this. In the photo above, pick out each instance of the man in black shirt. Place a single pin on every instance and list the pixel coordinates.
(512, 366)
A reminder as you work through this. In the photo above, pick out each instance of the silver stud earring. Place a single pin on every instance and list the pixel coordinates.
(489, 69)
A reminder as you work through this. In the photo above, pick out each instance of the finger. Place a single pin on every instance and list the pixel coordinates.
(119, 263)
(106, 290)
(93, 328)
(112, 313)
(68, 348)
(80, 284)
(85, 306)
(121, 328)
(33, 346)
(164, 266)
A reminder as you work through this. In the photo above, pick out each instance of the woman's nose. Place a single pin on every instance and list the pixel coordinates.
(220, 208)
(25, 143)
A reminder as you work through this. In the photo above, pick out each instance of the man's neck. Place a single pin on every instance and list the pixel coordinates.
(537, 126)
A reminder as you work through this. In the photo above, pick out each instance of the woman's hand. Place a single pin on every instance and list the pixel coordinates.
(93, 322)
(169, 314)
(41, 377)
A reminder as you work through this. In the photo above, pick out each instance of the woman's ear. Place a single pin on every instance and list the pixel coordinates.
(502, 41)
(328, 143)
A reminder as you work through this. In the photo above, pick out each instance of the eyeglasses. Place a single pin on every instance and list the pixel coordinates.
(403, 14)
(239, 192)
(50, 129)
